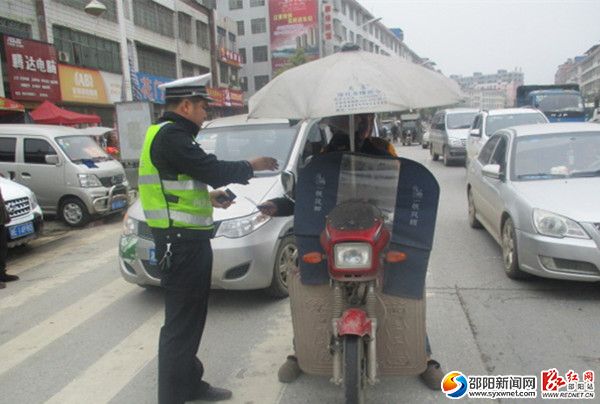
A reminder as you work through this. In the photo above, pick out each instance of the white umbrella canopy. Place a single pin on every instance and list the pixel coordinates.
(352, 82)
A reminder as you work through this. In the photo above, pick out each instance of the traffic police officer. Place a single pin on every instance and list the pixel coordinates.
(174, 175)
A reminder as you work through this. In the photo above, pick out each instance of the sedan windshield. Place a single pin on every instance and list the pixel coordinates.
(80, 148)
(497, 122)
(461, 120)
(568, 155)
(250, 141)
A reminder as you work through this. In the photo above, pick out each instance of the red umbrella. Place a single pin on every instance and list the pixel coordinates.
(48, 113)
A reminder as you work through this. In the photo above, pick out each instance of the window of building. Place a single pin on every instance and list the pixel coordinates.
(87, 50)
(258, 25)
(202, 38)
(187, 69)
(344, 33)
(242, 52)
(259, 54)
(223, 73)
(257, 3)
(260, 82)
(236, 4)
(156, 61)
(110, 13)
(154, 17)
(351, 12)
(14, 28)
(221, 37)
(7, 149)
(232, 42)
(240, 28)
(36, 150)
(344, 8)
(244, 83)
(185, 27)
(351, 36)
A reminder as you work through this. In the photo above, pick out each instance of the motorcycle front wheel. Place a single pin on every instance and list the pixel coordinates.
(354, 370)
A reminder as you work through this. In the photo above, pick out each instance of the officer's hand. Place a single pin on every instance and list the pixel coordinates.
(264, 163)
(215, 203)
(268, 208)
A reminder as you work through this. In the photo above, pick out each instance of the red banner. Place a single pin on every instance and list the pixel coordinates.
(294, 31)
(32, 70)
(230, 57)
(225, 97)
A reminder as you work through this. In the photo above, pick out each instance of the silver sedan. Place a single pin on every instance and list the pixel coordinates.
(536, 189)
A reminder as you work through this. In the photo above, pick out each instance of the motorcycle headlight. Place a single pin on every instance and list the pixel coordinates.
(553, 225)
(130, 226)
(88, 181)
(352, 255)
(242, 226)
(455, 142)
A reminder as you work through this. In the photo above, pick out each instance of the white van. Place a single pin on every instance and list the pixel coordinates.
(26, 218)
(70, 174)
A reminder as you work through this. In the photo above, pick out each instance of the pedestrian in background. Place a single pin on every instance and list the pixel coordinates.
(4, 219)
(174, 175)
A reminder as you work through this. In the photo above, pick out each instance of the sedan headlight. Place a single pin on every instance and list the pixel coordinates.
(242, 226)
(33, 201)
(553, 225)
(88, 181)
(130, 226)
(455, 142)
(352, 255)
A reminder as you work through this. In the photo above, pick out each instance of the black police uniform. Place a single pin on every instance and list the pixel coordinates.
(187, 281)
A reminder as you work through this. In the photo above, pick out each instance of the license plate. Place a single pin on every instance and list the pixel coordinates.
(152, 256)
(118, 204)
(21, 230)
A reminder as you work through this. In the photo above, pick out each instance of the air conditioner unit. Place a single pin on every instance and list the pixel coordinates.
(63, 56)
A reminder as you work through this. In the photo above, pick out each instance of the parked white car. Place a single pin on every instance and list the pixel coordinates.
(486, 123)
(26, 220)
(536, 189)
(251, 251)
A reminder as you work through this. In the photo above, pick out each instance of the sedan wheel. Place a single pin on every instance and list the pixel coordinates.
(473, 222)
(286, 260)
(509, 251)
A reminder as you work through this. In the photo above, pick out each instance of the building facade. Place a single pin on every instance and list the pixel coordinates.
(585, 71)
(127, 51)
(490, 91)
(264, 38)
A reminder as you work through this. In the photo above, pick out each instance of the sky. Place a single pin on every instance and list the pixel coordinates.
(467, 36)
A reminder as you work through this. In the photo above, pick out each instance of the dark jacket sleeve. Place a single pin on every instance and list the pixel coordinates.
(186, 156)
(285, 206)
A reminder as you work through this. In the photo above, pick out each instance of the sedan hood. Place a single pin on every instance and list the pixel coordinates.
(12, 190)
(575, 198)
(458, 133)
(257, 190)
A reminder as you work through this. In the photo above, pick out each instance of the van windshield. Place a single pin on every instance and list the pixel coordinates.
(81, 148)
(460, 120)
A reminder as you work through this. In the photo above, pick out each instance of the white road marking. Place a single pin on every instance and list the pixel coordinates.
(38, 337)
(58, 278)
(257, 380)
(106, 377)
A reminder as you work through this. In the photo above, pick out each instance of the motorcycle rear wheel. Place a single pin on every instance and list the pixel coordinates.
(354, 370)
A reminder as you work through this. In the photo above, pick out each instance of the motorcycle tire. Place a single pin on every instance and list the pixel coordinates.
(354, 370)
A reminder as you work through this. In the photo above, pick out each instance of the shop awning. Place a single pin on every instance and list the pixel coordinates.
(10, 105)
(48, 113)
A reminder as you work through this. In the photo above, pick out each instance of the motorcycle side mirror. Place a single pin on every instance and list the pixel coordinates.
(395, 256)
(313, 258)
(288, 180)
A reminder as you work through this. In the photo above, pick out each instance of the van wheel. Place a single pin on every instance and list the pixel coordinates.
(74, 212)
(434, 155)
(286, 260)
(446, 157)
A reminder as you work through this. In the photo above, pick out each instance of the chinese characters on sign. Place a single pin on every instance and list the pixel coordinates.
(32, 70)
(147, 87)
(230, 57)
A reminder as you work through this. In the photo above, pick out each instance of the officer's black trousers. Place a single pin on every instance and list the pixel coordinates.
(186, 288)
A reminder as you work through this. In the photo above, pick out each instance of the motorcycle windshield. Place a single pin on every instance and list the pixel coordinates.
(403, 190)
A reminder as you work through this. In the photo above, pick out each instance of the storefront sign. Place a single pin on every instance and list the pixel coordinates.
(230, 57)
(32, 70)
(113, 85)
(327, 22)
(225, 97)
(81, 85)
(146, 86)
(294, 30)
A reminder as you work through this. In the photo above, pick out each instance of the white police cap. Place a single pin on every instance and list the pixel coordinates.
(187, 87)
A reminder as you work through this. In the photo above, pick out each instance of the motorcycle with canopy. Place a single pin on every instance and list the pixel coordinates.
(363, 224)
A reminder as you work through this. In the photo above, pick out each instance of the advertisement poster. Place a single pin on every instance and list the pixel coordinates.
(294, 31)
(81, 85)
(32, 70)
(146, 87)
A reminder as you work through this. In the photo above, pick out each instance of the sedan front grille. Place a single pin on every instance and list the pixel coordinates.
(110, 181)
(18, 207)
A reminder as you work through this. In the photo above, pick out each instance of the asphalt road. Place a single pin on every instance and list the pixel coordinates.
(72, 331)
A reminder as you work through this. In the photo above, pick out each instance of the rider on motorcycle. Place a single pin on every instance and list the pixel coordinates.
(283, 206)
